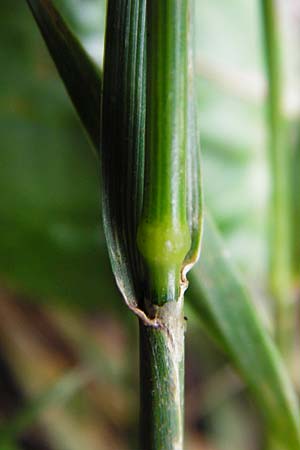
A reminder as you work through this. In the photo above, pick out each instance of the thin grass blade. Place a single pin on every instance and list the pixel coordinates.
(280, 230)
(224, 307)
(79, 73)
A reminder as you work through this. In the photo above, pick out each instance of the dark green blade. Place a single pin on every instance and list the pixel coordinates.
(122, 148)
(78, 72)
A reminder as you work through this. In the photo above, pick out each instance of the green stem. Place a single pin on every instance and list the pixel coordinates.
(280, 213)
(163, 236)
(161, 376)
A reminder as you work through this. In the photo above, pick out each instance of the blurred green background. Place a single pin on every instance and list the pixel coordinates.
(68, 347)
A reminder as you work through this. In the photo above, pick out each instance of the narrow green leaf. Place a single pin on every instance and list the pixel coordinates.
(78, 72)
(224, 307)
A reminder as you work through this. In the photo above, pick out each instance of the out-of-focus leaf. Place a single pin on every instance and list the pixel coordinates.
(296, 204)
(51, 239)
(227, 314)
(280, 242)
(77, 70)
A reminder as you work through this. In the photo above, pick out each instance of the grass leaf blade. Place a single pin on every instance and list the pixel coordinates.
(224, 306)
(78, 72)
